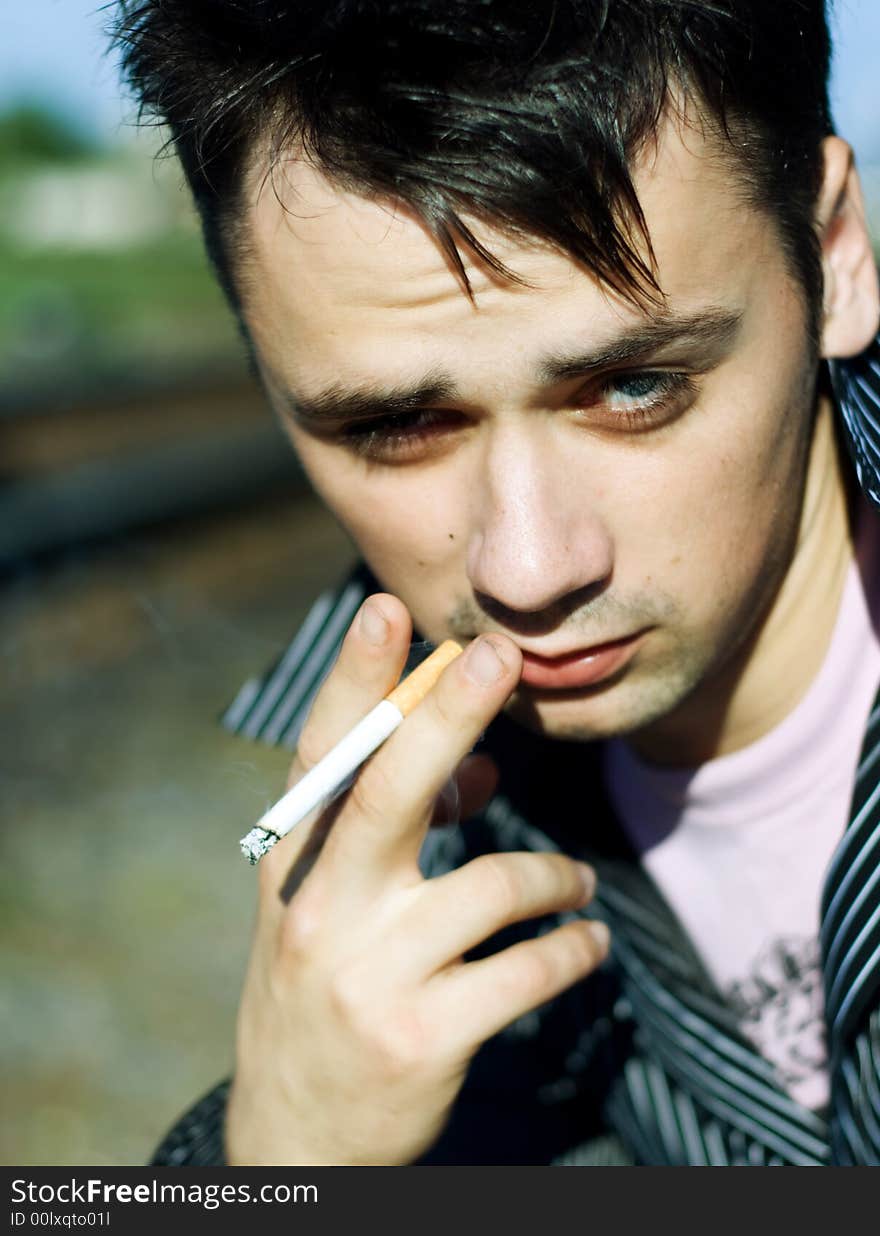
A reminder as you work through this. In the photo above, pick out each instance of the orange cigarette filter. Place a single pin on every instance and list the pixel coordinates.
(413, 689)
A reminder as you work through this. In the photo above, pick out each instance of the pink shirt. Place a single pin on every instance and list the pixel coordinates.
(739, 846)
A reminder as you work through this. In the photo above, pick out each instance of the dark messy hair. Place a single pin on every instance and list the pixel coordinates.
(523, 113)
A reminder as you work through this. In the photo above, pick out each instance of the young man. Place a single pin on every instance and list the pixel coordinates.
(543, 294)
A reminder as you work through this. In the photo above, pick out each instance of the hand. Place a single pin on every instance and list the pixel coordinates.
(359, 1017)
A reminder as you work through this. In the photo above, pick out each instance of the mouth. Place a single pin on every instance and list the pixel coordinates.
(581, 668)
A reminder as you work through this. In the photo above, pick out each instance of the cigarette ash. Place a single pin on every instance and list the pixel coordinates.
(258, 842)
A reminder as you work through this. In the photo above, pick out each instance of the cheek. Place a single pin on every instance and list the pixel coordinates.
(708, 513)
(728, 505)
(398, 520)
(417, 548)
(407, 524)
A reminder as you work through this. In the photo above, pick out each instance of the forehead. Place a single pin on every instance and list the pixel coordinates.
(334, 278)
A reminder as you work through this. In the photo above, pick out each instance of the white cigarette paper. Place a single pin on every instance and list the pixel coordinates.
(329, 774)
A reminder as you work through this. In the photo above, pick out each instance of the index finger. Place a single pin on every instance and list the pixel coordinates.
(368, 666)
(382, 823)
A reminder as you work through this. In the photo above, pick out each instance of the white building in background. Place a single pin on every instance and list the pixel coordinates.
(103, 205)
(81, 208)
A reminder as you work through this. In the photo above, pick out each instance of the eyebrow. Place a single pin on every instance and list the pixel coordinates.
(712, 330)
(338, 403)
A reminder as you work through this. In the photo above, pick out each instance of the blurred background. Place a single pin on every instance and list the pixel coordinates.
(157, 547)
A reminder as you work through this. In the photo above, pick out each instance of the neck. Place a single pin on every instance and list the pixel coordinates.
(770, 676)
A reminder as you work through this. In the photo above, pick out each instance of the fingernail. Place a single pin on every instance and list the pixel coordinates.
(588, 876)
(374, 624)
(483, 663)
(600, 934)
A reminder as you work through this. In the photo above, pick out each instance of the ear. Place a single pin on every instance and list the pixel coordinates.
(852, 300)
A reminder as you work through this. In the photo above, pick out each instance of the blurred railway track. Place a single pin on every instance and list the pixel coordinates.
(88, 470)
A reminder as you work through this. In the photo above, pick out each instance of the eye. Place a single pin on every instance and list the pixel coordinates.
(642, 398)
(402, 436)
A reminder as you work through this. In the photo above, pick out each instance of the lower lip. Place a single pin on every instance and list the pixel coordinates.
(580, 669)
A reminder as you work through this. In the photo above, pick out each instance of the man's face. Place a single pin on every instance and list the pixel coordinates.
(550, 461)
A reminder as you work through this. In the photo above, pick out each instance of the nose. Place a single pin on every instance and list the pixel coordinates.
(536, 536)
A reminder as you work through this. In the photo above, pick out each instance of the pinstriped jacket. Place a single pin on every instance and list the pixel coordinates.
(644, 1061)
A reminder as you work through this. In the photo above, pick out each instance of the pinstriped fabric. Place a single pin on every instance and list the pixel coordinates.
(696, 1151)
(867, 774)
(856, 384)
(850, 938)
(694, 1083)
(197, 1138)
(725, 1105)
(864, 801)
(274, 708)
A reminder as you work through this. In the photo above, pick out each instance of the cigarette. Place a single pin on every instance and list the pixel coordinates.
(329, 774)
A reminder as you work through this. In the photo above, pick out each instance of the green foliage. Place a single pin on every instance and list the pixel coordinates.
(32, 134)
(73, 320)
